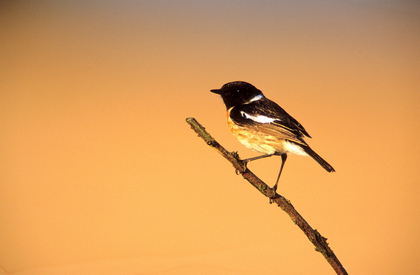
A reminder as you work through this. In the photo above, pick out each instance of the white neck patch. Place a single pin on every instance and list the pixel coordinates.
(255, 98)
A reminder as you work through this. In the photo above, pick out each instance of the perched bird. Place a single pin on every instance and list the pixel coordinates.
(263, 126)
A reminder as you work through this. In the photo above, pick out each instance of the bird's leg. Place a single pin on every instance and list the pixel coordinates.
(257, 157)
(283, 161)
(245, 161)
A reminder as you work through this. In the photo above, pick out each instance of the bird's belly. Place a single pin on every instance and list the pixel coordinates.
(258, 141)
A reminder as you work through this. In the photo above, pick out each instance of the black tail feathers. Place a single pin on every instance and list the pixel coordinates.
(318, 159)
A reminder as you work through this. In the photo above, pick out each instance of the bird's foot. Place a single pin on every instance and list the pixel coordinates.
(275, 195)
(244, 167)
(243, 163)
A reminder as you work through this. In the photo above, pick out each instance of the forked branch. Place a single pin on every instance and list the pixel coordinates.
(313, 235)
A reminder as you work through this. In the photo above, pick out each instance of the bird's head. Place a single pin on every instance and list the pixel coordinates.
(238, 93)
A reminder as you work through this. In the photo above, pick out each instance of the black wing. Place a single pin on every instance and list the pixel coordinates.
(267, 108)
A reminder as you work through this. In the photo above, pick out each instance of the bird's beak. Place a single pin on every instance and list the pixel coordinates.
(216, 91)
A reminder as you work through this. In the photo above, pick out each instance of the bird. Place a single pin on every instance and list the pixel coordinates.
(263, 126)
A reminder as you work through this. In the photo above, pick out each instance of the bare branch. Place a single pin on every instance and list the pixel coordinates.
(313, 235)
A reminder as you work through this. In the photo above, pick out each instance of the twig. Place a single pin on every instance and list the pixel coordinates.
(313, 235)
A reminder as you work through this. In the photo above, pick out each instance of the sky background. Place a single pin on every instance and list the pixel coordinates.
(100, 173)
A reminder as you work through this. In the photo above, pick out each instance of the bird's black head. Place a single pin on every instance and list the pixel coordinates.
(238, 93)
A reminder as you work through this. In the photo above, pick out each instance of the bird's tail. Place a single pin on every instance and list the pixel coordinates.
(318, 159)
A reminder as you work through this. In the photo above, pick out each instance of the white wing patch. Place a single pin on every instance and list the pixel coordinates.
(258, 118)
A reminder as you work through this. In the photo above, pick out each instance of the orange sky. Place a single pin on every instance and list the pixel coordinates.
(100, 174)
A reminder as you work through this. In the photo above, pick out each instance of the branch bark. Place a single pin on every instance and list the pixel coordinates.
(313, 235)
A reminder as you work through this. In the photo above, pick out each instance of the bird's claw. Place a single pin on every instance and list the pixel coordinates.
(271, 199)
(244, 167)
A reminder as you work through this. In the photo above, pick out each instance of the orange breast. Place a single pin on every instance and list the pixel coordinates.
(255, 140)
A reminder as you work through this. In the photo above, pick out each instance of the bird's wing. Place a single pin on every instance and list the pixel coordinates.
(271, 119)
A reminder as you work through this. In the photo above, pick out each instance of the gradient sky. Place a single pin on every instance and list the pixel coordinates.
(100, 174)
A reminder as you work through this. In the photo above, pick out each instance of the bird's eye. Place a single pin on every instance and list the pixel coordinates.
(237, 91)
